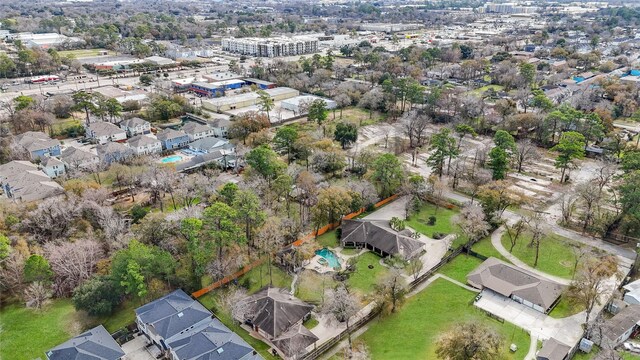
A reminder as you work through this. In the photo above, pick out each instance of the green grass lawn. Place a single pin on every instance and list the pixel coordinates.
(629, 356)
(459, 267)
(586, 356)
(328, 239)
(83, 52)
(443, 223)
(484, 247)
(364, 280)
(258, 277)
(311, 323)
(481, 90)
(411, 332)
(564, 309)
(556, 253)
(312, 286)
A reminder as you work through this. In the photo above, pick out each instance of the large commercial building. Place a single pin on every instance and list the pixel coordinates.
(271, 47)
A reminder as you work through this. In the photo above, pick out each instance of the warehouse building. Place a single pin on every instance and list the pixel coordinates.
(243, 100)
(300, 104)
(271, 47)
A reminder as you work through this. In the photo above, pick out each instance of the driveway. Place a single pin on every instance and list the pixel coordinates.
(393, 209)
(136, 349)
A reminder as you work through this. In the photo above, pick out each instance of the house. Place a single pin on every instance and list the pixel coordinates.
(211, 144)
(74, 158)
(223, 159)
(632, 293)
(38, 144)
(144, 145)
(102, 132)
(498, 277)
(378, 237)
(277, 315)
(197, 131)
(135, 126)
(220, 127)
(52, 167)
(552, 349)
(173, 139)
(95, 344)
(620, 327)
(22, 181)
(113, 152)
(183, 328)
(211, 340)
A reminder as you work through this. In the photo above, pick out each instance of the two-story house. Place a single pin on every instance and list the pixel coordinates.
(75, 159)
(173, 139)
(38, 144)
(220, 127)
(145, 145)
(52, 167)
(103, 132)
(135, 126)
(22, 181)
(197, 131)
(96, 343)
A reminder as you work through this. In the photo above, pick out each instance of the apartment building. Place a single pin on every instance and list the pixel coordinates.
(271, 47)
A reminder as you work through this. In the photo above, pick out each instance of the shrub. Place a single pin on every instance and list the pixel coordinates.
(138, 213)
(431, 221)
(397, 224)
(439, 236)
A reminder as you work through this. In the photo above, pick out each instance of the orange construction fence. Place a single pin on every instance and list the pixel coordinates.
(300, 241)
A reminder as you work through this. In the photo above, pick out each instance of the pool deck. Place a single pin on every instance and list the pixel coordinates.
(314, 262)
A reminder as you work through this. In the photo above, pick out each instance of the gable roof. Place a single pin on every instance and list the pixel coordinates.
(26, 182)
(133, 122)
(626, 319)
(95, 344)
(36, 140)
(294, 340)
(193, 127)
(212, 340)
(379, 235)
(210, 143)
(276, 310)
(49, 161)
(102, 128)
(508, 280)
(552, 349)
(169, 133)
(142, 140)
(113, 150)
(172, 313)
(73, 156)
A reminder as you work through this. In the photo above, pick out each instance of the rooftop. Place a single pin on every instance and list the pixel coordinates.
(95, 344)
(26, 182)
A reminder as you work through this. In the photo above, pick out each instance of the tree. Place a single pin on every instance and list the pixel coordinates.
(388, 174)
(343, 306)
(463, 130)
(23, 102)
(37, 269)
(37, 294)
(346, 134)
(72, 263)
(137, 264)
(570, 147)
(500, 155)
(318, 111)
(495, 197)
(98, 296)
(220, 223)
(472, 223)
(629, 190)
(469, 341)
(333, 203)
(265, 102)
(228, 192)
(526, 151)
(514, 231)
(246, 124)
(443, 147)
(83, 101)
(247, 206)
(528, 72)
(329, 161)
(391, 289)
(285, 139)
(132, 281)
(591, 282)
(146, 79)
(265, 162)
(199, 248)
(5, 247)
(415, 266)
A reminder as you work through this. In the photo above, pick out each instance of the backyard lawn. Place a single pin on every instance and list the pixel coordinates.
(364, 280)
(328, 239)
(459, 267)
(484, 247)
(444, 225)
(411, 332)
(258, 277)
(557, 255)
(564, 309)
(311, 286)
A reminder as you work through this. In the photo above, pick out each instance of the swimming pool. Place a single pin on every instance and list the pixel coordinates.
(171, 159)
(330, 256)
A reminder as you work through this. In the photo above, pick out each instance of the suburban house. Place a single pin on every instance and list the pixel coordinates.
(632, 293)
(22, 181)
(211, 144)
(38, 144)
(144, 145)
(135, 126)
(220, 127)
(75, 158)
(173, 139)
(498, 277)
(185, 329)
(620, 327)
(277, 316)
(95, 344)
(552, 349)
(380, 238)
(102, 132)
(197, 131)
(113, 152)
(52, 167)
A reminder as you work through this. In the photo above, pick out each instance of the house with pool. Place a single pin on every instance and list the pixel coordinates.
(380, 238)
(144, 145)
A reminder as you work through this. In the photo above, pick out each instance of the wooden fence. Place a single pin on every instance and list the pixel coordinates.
(300, 241)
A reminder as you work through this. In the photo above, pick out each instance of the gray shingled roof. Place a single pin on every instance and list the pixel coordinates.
(210, 143)
(36, 140)
(27, 182)
(294, 340)
(508, 280)
(552, 349)
(193, 127)
(102, 128)
(275, 310)
(170, 134)
(212, 340)
(133, 122)
(95, 344)
(172, 313)
(142, 140)
(626, 319)
(379, 235)
(74, 156)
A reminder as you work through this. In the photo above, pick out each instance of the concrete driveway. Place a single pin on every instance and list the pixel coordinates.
(567, 330)
(392, 209)
(136, 349)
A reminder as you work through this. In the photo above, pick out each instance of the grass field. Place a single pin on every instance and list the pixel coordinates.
(364, 280)
(443, 223)
(459, 267)
(556, 256)
(411, 332)
(564, 309)
(312, 286)
(258, 278)
(328, 239)
(481, 90)
(84, 53)
(484, 247)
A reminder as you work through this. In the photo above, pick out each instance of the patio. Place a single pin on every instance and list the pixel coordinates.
(137, 349)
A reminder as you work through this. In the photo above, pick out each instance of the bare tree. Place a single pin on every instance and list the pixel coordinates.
(514, 231)
(469, 341)
(391, 289)
(535, 223)
(358, 351)
(567, 207)
(605, 174)
(51, 220)
(12, 273)
(343, 306)
(36, 295)
(72, 263)
(415, 266)
(233, 301)
(590, 196)
(525, 152)
(473, 223)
